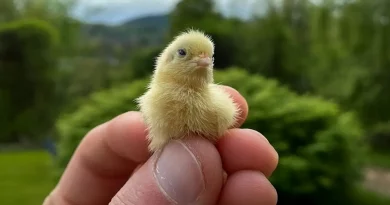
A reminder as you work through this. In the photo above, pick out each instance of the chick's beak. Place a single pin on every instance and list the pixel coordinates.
(204, 61)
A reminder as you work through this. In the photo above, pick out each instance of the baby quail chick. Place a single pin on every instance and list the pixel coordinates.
(182, 99)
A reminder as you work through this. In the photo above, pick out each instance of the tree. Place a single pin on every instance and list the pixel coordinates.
(274, 49)
(55, 12)
(191, 14)
(27, 87)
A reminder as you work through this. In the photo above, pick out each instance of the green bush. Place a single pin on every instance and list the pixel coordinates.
(319, 146)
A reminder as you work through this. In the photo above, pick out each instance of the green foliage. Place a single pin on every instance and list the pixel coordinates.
(365, 197)
(27, 87)
(319, 146)
(54, 12)
(276, 46)
(379, 159)
(143, 62)
(192, 13)
(380, 138)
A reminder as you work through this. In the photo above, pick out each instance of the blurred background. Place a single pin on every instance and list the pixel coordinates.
(316, 75)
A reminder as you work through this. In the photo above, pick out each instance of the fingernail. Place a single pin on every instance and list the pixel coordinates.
(178, 173)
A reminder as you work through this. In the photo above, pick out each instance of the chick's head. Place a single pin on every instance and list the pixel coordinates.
(189, 55)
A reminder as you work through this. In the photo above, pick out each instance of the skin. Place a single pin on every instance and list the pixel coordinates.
(110, 163)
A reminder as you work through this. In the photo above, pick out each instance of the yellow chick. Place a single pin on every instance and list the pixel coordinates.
(182, 99)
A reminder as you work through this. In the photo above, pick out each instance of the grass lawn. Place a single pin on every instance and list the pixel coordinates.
(25, 177)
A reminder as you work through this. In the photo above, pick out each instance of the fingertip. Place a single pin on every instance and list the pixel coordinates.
(248, 187)
(245, 149)
(240, 101)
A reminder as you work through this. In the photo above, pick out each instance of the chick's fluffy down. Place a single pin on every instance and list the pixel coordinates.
(176, 114)
(182, 99)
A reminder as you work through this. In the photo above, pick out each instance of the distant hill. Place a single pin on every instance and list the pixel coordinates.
(141, 32)
(148, 22)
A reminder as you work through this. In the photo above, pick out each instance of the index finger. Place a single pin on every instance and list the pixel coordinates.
(107, 156)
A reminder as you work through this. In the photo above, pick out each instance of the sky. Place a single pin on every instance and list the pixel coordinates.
(117, 11)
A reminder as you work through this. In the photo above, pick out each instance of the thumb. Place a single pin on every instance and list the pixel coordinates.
(184, 172)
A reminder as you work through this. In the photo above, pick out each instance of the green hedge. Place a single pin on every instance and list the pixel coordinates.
(319, 146)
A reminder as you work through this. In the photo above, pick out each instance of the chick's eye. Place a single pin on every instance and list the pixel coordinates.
(182, 52)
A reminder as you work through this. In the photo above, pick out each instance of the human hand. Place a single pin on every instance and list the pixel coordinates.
(112, 165)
